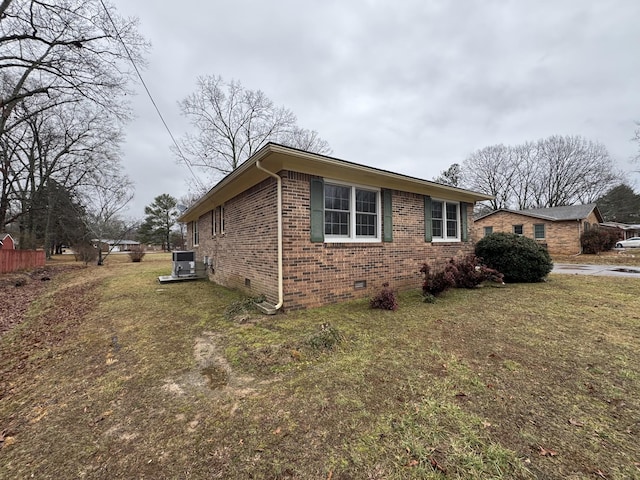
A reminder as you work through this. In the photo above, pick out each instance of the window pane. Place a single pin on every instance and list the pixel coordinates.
(452, 211)
(336, 223)
(366, 225)
(436, 228)
(452, 229)
(452, 220)
(538, 231)
(517, 229)
(365, 201)
(488, 231)
(436, 209)
(336, 197)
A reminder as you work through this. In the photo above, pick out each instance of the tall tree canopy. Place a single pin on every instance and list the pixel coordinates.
(554, 171)
(620, 204)
(64, 74)
(231, 123)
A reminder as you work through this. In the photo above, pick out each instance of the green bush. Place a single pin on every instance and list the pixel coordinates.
(518, 258)
(327, 338)
(598, 240)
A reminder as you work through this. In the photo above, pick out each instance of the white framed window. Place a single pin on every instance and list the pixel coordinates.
(214, 230)
(196, 237)
(351, 213)
(538, 231)
(222, 219)
(445, 221)
(488, 231)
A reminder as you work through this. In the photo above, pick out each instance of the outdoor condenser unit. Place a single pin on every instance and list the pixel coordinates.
(184, 264)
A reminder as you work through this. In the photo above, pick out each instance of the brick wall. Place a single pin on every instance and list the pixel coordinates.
(320, 273)
(315, 274)
(561, 237)
(245, 255)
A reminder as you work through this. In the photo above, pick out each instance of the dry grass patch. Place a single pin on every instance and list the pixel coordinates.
(155, 381)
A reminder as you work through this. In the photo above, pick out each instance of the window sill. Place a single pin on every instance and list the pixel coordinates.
(352, 244)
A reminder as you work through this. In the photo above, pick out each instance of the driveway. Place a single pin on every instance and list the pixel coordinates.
(610, 270)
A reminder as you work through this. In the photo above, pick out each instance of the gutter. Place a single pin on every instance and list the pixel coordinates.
(269, 309)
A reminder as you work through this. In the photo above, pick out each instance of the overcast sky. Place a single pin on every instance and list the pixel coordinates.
(410, 86)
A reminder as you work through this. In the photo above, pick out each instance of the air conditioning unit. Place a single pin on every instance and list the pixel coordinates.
(184, 264)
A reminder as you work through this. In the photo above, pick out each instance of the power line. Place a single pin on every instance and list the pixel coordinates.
(175, 143)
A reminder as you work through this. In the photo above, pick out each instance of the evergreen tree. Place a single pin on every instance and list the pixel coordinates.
(161, 217)
(620, 204)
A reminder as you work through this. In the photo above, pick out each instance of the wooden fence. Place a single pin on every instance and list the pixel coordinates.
(12, 260)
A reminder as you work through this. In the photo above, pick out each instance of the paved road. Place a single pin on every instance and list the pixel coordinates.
(610, 270)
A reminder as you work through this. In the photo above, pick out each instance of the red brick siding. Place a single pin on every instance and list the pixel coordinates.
(248, 248)
(315, 274)
(319, 273)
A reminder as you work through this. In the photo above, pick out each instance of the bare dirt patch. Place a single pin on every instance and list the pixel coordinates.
(212, 373)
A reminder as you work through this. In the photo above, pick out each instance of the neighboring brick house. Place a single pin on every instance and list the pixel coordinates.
(345, 228)
(558, 228)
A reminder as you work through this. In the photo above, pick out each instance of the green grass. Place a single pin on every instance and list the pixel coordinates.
(477, 385)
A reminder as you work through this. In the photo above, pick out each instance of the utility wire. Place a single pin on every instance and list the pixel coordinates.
(175, 143)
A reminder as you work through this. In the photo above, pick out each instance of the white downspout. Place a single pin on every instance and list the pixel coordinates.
(279, 210)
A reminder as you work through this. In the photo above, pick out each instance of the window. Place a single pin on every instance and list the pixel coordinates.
(518, 230)
(213, 222)
(445, 220)
(587, 225)
(196, 238)
(538, 231)
(488, 231)
(222, 219)
(351, 213)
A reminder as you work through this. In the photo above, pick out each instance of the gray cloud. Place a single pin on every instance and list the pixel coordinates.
(409, 86)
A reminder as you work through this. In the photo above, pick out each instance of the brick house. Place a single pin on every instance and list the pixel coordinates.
(306, 230)
(558, 228)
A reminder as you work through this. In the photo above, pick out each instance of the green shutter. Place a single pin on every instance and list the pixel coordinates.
(464, 234)
(317, 209)
(428, 236)
(387, 219)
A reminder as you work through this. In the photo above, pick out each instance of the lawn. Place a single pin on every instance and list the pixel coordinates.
(115, 376)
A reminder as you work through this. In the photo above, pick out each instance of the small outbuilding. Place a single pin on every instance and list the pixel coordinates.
(7, 242)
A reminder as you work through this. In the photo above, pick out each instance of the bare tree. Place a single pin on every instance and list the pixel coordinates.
(636, 138)
(62, 144)
(232, 123)
(574, 170)
(65, 67)
(491, 171)
(70, 47)
(106, 196)
(555, 171)
(527, 169)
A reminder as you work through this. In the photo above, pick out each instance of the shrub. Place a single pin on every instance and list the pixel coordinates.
(467, 272)
(85, 252)
(137, 253)
(326, 339)
(520, 259)
(435, 283)
(598, 240)
(385, 299)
